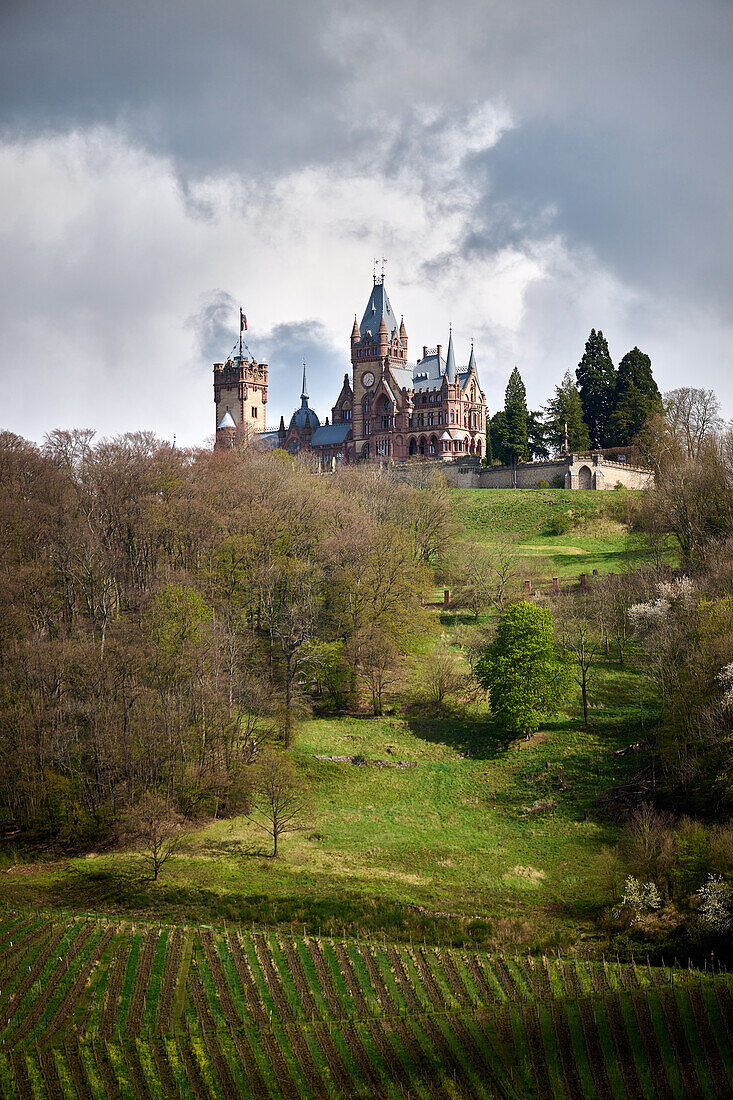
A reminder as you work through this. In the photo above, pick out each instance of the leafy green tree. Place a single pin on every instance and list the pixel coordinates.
(597, 386)
(489, 443)
(565, 408)
(515, 413)
(637, 398)
(520, 670)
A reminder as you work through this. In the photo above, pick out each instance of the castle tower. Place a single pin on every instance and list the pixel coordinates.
(240, 389)
(378, 343)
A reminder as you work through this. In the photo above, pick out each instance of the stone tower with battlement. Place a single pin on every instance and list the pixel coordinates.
(240, 398)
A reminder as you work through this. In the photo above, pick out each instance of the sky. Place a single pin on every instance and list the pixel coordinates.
(528, 171)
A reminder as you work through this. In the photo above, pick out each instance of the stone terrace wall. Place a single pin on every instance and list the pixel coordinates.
(574, 472)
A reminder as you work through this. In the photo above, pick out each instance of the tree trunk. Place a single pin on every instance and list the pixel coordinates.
(584, 693)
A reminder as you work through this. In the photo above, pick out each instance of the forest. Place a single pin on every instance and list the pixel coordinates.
(170, 618)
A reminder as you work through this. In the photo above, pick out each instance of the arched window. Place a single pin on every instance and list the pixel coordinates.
(452, 417)
(365, 451)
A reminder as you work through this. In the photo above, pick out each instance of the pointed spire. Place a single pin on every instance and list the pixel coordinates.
(450, 360)
(472, 360)
(304, 391)
(355, 331)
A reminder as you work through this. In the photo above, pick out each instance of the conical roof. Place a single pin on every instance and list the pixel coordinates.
(378, 309)
(227, 421)
(450, 361)
(472, 360)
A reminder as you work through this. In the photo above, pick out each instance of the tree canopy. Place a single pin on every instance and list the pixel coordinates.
(597, 387)
(515, 413)
(520, 670)
(563, 409)
(637, 398)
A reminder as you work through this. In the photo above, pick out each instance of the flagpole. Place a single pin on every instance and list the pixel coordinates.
(240, 332)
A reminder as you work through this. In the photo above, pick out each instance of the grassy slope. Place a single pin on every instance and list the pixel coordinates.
(596, 538)
(451, 835)
(409, 849)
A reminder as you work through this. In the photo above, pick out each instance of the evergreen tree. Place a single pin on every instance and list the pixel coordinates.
(489, 444)
(497, 437)
(637, 398)
(515, 412)
(597, 386)
(565, 408)
(537, 436)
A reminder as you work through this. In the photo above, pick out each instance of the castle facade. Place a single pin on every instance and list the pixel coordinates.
(387, 410)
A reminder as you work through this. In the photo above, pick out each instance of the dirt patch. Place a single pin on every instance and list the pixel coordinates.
(362, 762)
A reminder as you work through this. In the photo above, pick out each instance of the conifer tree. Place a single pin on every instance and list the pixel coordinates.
(489, 444)
(637, 398)
(515, 413)
(497, 437)
(565, 408)
(597, 386)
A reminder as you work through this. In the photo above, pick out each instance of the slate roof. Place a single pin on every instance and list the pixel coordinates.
(428, 373)
(450, 362)
(378, 307)
(330, 433)
(402, 376)
(268, 440)
(299, 416)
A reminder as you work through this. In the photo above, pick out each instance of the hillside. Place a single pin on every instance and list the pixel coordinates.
(98, 1008)
(559, 532)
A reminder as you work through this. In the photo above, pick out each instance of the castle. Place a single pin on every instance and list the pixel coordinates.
(386, 411)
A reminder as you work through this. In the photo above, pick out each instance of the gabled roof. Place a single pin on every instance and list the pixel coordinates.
(402, 376)
(227, 421)
(330, 433)
(378, 309)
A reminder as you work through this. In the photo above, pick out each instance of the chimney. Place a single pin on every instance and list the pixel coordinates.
(440, 348)
(425, 351)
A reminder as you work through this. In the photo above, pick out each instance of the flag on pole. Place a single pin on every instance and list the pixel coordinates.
(242, 321)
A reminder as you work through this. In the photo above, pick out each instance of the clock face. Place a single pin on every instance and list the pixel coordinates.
(368, 379)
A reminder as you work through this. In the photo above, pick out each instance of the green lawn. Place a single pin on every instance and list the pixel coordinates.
(406, 849)
(597, 535)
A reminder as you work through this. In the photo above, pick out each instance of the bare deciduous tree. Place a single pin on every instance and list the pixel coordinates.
(278, 797)
(156, 827)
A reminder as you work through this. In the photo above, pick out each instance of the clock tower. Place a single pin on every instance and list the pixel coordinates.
(378, 345)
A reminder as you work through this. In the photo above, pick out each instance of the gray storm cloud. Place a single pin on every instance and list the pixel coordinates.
(586, 139)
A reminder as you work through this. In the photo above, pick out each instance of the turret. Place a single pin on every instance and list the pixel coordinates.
(450, 361)
(403, 333)
(226, 432)
(355, 332)
(382, 338)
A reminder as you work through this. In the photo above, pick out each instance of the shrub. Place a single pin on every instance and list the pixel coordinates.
(542, 484)
(716, 899)
(638, 898)
(558, 482)
(560, 523)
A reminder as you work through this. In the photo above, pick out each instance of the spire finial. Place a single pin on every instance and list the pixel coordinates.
(304, 391)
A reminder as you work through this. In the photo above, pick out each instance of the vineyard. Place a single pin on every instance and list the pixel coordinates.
(96, 1008)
